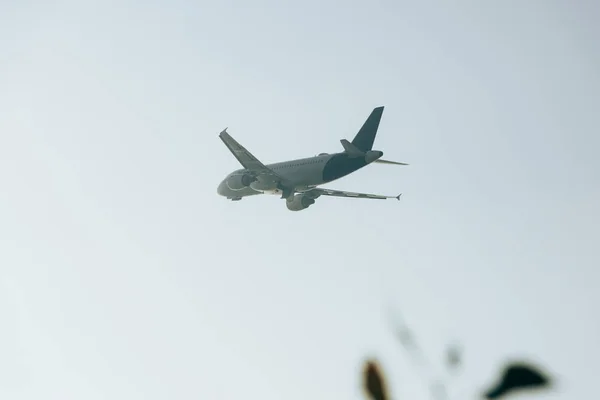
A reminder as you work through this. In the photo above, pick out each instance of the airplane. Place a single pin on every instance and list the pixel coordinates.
(298, 181)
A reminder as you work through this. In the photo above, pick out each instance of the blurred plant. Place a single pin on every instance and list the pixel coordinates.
(515, 376)
(518, 376)
(374, 383)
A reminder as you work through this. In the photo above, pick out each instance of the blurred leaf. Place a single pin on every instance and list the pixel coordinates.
(518, 376)
(373, 381)
(453, 357)
(405, 337)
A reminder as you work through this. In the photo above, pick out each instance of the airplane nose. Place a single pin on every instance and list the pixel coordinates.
(221, 188)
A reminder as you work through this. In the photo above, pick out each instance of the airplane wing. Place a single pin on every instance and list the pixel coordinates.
(248, 161)
(245, 158)
(341, 193)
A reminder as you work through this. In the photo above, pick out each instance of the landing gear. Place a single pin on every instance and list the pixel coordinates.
(235, 198)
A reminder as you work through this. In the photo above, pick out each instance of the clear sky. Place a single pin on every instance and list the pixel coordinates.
(123, 275)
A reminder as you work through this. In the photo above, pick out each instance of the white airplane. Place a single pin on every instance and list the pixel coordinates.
(297, 180)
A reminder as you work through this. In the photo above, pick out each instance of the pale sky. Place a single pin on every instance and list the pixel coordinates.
(123, 274)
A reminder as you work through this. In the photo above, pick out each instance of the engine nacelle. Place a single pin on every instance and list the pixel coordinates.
(265, 184)
(239, 182)
(299, 202)
(373, 155)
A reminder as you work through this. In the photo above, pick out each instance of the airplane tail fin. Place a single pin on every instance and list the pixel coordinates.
(366, 135)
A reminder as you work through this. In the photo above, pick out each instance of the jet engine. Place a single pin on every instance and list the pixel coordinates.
(299, 202)
(265, 183)
(239, 182)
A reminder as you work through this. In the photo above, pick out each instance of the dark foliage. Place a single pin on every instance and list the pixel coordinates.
(518, 376)
(373, 381)
(514, 376)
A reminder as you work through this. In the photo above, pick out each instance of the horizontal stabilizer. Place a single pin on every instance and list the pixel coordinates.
(380, 161)
(351, 149)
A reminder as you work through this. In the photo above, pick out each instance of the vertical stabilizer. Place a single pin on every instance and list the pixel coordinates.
(366, 136)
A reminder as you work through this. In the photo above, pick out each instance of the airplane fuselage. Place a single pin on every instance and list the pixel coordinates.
(303, 173)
